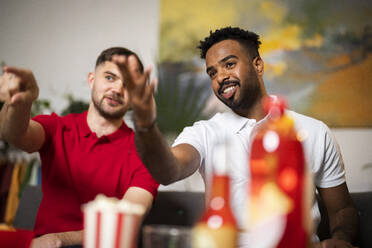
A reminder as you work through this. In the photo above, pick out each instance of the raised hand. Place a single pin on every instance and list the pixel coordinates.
(18, 86)
(141, 93)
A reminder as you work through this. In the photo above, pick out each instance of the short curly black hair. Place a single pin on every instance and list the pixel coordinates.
(249, 40)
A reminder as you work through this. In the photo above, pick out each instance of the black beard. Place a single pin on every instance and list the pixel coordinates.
(249, 95)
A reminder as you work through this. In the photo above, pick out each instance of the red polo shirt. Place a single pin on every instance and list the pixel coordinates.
(76, 166)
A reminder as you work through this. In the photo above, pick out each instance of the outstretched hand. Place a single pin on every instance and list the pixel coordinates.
(18, 86)
(140, 91)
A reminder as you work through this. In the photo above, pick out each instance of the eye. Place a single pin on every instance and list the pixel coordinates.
(211, 74)
(109, 78)
(230, 64)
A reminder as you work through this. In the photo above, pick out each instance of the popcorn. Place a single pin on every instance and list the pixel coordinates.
(111, 223)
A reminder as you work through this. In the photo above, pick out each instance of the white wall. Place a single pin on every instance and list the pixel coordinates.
(356, 148)
(59, 40)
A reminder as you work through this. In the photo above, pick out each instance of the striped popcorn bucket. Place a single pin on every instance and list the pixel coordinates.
(111, 223)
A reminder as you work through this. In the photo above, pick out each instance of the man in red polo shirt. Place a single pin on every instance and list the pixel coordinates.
(82, 154)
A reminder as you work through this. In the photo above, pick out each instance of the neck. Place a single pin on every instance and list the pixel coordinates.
(256, 112)
(100, 125)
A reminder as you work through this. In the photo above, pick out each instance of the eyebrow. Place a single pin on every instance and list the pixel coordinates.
(111, 73)
(222, 61)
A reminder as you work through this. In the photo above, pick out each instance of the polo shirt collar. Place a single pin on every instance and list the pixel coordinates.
(236, 122)
(83, 123)
(85, 130)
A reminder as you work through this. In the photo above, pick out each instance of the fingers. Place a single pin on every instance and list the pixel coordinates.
(18, 85)
(9, 85)
(14, 85)
(122, 63)
(15, 70)
(149, 93)
(3, 88)
(134, 67)
(134, 80)
(19, 98)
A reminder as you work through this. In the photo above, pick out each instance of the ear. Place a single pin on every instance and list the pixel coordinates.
(91, 77)
(258, 65)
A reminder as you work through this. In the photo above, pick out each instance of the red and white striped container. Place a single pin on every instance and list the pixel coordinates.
(111, 223)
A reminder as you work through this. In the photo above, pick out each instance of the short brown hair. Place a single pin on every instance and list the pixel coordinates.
(107, 54)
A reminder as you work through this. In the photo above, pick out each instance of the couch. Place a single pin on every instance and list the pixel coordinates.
(184, 209)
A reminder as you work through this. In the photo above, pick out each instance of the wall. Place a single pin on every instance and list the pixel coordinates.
(356, 148)
(60, 40)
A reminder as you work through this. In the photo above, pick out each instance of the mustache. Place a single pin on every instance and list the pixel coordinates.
(227, 82)
(115, 97)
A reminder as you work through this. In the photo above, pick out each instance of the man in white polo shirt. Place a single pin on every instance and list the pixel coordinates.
(236, 70)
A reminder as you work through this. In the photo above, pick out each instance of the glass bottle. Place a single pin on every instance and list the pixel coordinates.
(279, 192)
(217, 227)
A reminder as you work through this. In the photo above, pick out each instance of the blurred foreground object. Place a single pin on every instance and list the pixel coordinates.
(11, 238)
(155, 236)
(111, 223)
(279, 195)
(217, 227)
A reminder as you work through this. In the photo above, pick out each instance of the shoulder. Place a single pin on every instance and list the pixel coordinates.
(53, 122)
(56, 117)
(218, 120)
(315, 135)
(40, 118)
(74, 122)
(73, 118)
(307, 123)
(204, 128)
(48, 122)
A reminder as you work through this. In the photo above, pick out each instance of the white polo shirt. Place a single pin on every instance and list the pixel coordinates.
(321, 153)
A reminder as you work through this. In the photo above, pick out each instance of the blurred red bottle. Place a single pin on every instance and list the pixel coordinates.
(279, 195)
(217, 227)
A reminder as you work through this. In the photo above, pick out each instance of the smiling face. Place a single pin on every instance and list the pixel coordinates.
(109, 96)
(235, 76)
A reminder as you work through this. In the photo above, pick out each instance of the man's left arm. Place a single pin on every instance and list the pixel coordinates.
(140, 196)
(343, 216)
(56, 240)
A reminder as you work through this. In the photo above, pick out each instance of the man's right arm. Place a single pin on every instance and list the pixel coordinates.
(166, 165)
(18, 91)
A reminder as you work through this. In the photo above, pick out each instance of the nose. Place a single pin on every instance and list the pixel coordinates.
(222, 75)
(118, 88)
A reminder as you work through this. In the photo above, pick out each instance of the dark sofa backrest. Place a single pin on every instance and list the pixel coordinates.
(185, 208)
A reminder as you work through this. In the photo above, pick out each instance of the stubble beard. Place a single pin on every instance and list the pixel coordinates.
(99, 106)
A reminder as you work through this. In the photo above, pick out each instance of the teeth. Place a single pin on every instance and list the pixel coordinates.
(228, 89)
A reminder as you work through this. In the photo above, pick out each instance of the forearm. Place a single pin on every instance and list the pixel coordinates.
(344, 224)
(157, 156)
(14, 121)
(58, 239)
(70, 238)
